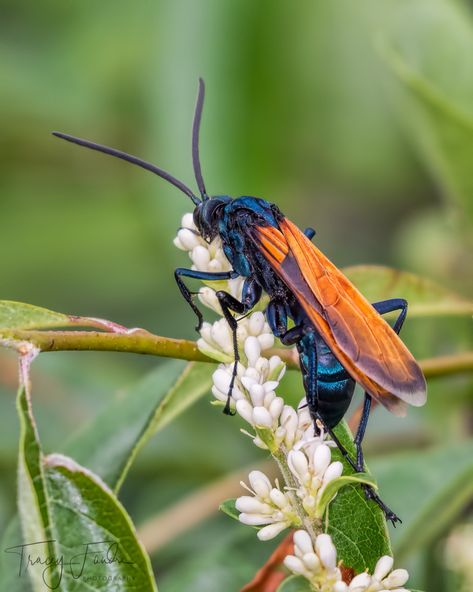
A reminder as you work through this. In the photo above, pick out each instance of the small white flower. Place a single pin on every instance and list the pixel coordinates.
(313, 470)
(326, 551)
(268, 506)
(316, 563)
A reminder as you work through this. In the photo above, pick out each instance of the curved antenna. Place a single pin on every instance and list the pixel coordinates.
(133, 160)
(195, 140)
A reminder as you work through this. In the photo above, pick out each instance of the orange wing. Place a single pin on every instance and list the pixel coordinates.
(358, 336)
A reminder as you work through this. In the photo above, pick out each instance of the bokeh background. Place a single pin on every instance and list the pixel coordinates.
(355, 118)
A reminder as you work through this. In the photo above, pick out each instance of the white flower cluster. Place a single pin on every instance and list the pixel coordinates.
(205, 256)
(313, 470)
(277, 427)
(273, 507)
(267, 506)
(318, 563)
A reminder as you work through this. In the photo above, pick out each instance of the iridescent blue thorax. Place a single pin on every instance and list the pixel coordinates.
(237, 218)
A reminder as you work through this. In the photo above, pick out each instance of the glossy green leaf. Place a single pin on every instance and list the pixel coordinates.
(425, 297)
(110, 443)
(357, 525)
(71, 520)
(430, 489)
(295, 584)
(18, 315)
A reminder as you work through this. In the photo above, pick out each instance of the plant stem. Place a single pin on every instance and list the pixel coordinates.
(313, 527)
(136, 341)
(140, 341)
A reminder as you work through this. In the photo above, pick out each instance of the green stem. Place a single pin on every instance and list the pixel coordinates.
(136, 341)
(140, 341)
(312, 526)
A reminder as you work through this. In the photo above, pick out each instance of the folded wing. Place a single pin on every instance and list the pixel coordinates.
(358, 336)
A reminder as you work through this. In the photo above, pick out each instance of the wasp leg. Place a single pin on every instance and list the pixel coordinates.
(251, 294)
(382, 307)
(181, 272)
(276, 315)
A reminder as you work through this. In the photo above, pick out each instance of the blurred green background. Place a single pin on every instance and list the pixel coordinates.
(355, 118)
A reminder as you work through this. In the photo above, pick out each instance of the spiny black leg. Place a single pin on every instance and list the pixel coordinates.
(360, 434)
(188, 298)
(181, 272)
(251, 294)
(382, 307)
(360, 462)
(388, 513)
(227, 303)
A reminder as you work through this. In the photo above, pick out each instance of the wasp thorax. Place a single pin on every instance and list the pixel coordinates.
(207, 215)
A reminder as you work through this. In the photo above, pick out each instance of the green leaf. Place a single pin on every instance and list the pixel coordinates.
(357, 525)
(84, 511)
(426, 485)
(295, 584)
(21, 316)
(436, 100)
(425, 297)
(228, 508)
(109, 444)
(69, 514)
(334, 486)
(18, 315)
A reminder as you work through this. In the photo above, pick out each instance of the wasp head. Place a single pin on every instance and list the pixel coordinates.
(208, 213)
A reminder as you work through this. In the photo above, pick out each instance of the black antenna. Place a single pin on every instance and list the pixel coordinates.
(195, 140)
(133, 159)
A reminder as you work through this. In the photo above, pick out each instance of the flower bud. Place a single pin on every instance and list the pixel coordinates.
(321, 459)
(298, 464)
(326, 551)
(252, 505)
(360, 582)
(396, 579)
(254, 519)
(303, 541)
(333, 472)
(245, 410)
(262, 417)
(278, 498)
(272, 530)
(295, 565)
(260, 484)
(383, 567)
(252, 350)
(256, 323)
